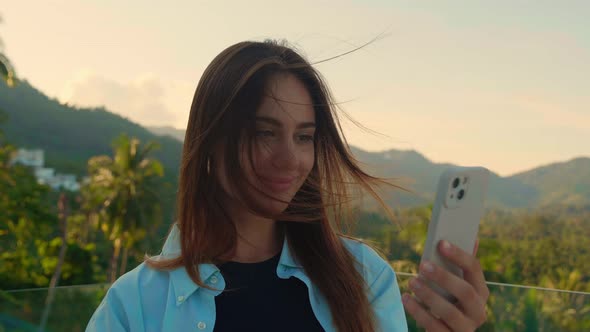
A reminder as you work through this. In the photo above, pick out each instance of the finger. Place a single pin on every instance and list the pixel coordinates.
(475, 247)
(469, 299)
(440, 307)
(473, 273)
(422, 317)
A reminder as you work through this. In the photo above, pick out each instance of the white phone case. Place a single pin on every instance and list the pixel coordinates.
(457, 210)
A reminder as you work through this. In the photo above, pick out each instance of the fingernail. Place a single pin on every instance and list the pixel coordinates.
(415, 284)
(428, 267)
(447, 246)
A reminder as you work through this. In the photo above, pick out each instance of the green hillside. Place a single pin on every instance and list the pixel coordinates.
(71, 135)
(565, 182)
(421, 176)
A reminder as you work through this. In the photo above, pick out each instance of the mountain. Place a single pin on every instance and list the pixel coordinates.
(71, 135)
(566, 182)
(559, 183)
(177, 134)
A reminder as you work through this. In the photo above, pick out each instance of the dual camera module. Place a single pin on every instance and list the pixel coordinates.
(456, 183)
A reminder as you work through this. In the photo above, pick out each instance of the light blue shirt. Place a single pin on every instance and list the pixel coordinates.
(145, 299)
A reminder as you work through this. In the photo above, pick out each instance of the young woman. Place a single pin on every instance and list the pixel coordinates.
(258, 244)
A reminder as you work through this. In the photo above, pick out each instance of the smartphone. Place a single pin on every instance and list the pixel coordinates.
(457, 210)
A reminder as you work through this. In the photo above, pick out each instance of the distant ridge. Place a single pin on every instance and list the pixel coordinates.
(71, 135)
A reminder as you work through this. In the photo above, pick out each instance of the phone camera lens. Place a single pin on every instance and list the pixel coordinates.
(456, 182)
(461, 194)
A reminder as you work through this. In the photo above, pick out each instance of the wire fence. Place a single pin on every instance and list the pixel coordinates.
(405, 274)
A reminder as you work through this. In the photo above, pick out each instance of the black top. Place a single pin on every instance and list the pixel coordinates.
(256, 299)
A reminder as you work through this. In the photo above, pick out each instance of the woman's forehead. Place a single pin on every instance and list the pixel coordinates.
(287, 100)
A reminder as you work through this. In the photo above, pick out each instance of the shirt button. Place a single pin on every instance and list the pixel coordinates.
(201, 325)
(213, 279)
(180, 298)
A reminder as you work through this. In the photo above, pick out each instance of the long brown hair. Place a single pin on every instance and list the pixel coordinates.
(223, 111)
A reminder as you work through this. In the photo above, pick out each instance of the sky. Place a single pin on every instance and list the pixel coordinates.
(502, 84)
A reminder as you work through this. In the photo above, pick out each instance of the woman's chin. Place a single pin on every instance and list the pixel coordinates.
(274, 204)
(276, 208)
(273, 207)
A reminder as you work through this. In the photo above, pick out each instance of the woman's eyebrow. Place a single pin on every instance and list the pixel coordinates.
(277, 123)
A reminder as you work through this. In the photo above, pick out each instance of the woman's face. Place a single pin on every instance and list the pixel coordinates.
(283, 148)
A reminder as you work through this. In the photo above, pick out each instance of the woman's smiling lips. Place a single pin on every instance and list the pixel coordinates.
(279, 184)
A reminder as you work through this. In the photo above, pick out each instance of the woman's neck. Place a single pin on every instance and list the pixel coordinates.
(258, 238)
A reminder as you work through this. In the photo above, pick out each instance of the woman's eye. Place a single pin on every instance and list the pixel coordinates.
(264, 133)
(306, 138)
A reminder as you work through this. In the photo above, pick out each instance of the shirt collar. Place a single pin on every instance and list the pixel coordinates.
(287, 259)
(183, 284)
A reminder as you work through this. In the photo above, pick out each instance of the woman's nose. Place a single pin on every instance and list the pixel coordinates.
(285, 155)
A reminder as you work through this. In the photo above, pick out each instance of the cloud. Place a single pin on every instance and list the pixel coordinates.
(146, 100)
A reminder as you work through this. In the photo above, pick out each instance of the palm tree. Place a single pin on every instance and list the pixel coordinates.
(120, 194)
(63, 213)
(6, 68)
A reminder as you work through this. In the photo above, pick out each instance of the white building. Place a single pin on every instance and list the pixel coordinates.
(65, 181)
(44, 175)
(47, 176)
(31, 158)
